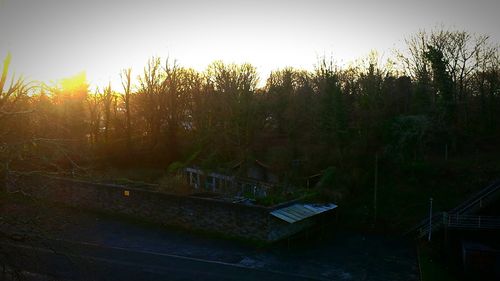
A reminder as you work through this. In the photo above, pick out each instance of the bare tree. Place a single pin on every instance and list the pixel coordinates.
(107, 97)
(234, 86)
(150, 84)
(94, 108)
(126, 83)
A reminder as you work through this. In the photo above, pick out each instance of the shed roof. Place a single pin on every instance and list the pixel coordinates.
(298, 212)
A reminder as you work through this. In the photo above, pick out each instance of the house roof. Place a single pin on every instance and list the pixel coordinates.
(298, 212)
(239, 163)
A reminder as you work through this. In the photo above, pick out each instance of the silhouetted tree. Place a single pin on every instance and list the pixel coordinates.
(127, 92)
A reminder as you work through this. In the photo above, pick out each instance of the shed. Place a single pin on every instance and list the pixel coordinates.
(299, 212)
(256, 170)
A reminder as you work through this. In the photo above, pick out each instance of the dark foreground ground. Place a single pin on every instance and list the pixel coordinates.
(55, 243)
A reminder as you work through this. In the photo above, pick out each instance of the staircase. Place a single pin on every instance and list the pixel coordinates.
(472, 221)
(462, 215)
(478, 200)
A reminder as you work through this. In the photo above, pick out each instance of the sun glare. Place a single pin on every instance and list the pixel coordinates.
(76, 83)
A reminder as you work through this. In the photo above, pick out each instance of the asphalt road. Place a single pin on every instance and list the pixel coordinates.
(62, 260)
(77, 245)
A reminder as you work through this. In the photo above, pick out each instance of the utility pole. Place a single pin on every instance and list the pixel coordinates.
(430, 221)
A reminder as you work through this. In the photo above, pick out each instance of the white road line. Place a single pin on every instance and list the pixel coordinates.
(154, 254)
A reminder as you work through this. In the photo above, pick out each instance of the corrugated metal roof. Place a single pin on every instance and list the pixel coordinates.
(298, 212)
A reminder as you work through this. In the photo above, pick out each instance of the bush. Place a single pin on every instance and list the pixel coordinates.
(174, 184)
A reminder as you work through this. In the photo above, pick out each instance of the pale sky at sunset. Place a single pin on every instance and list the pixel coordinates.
(51, 39)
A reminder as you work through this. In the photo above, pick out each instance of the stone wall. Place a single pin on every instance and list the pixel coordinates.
(210, 215)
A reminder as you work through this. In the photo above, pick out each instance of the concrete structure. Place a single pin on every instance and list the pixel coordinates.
(194, 213)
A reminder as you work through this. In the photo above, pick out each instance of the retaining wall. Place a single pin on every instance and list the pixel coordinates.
(210, 215)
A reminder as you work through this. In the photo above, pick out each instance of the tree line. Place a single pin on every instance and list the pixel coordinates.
(438, 96)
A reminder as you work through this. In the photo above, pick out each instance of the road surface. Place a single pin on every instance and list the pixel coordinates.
(88, 246)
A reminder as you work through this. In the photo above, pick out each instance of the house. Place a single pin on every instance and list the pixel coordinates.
(244, 177)
(209, 181)
(256, 171)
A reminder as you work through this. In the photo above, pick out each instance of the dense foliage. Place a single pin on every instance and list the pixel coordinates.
(438, 97)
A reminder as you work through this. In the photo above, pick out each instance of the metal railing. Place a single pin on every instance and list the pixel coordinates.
(423, 227)
(457, 221)
(458, 217)
(476, 199)
(471, 221)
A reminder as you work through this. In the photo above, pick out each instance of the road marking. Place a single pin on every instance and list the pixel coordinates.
(151, 253)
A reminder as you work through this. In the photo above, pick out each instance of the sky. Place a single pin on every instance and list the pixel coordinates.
(52, 39)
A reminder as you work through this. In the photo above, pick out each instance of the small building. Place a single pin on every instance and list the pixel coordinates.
(251, 177)
(293, 219)
(257, 171)
(209, 181)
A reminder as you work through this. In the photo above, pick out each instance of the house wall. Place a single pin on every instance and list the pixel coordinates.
(256, 172)
(202, 214)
